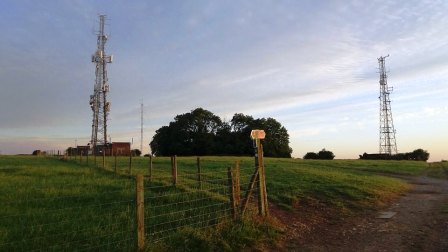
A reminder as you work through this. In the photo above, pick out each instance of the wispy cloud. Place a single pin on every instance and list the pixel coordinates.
(308, 64)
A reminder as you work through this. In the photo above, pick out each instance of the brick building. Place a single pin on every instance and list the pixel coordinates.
(121, 148)
(117, 148)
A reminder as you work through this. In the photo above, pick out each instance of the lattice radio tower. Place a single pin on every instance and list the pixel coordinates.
(98, 101)
(141, 127)
(388, 143)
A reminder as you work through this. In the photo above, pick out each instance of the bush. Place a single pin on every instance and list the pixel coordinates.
(311, 155)
(419, 155)
(136, 153)
(323, 154)
(37, 152)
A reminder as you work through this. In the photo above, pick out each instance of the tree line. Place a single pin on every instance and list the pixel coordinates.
(200, 133)
(416, 155)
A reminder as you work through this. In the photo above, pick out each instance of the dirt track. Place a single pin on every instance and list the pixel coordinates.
(419, 223)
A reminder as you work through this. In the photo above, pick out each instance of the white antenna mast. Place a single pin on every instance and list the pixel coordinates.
(141, 126)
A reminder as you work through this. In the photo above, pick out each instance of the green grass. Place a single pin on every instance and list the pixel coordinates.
(438, 170)
(62, 205)
(344, 184)
(371, 166)
(55, 205)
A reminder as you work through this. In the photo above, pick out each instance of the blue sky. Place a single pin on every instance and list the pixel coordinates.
(312, 65)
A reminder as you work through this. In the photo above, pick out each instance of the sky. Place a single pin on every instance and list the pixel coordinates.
(311, 65)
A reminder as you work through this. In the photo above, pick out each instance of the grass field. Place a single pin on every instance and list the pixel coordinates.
(54, 205)
(438, 170)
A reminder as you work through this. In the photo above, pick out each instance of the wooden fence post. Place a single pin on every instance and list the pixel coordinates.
(262, 195)
(130, 163)
(140, 212)
(237, 183)
(115, 162)
(198, 163)
(231, 191)
(174, 169)
(94, 156)
(260, 178)
(150, 168)
(104, 157)
(87, 157)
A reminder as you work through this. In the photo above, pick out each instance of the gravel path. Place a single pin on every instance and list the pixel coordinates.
(417, 221)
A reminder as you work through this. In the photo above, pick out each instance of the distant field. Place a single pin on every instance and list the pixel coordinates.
(60, 205)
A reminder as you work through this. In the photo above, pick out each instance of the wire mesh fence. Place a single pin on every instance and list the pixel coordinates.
(59, 209)
(191, 203)
(76, 206)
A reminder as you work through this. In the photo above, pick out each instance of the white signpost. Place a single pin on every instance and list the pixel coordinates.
(257, 134)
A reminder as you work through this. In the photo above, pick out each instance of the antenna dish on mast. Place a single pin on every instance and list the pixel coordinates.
(98, 101)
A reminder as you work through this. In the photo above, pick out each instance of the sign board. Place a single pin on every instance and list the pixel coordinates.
(257, 134)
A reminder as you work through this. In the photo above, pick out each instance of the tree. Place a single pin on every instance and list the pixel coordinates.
(416, 155)
(324, 154)
(240, 128)
(37, 152)
(136, 153)
(200, 132)
(276, 143)
(311, 155)
(419, 155)
(277, 139)
(192, 133)
(160, 144)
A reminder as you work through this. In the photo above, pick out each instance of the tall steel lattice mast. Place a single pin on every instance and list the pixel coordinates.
(388, 143)
(98, 101)
(141, 127)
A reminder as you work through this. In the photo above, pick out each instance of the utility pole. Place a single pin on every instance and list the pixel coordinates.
(98, 101)
(387, 143)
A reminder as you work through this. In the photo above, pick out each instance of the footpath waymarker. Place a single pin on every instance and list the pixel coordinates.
(258, 176)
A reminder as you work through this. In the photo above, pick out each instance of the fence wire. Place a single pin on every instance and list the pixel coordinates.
(81, 206)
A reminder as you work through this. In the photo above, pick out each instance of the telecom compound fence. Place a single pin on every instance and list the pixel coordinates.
(75, 206)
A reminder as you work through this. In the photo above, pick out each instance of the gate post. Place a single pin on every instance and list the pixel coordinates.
(263, 208)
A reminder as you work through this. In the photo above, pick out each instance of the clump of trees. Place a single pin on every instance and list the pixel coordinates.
(39, 153)
(323, 154)
(200, 132)
(416, 155)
